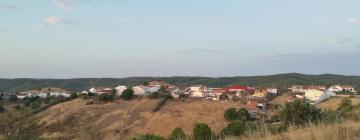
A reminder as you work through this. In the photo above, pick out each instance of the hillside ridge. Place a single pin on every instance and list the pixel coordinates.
(278, 80)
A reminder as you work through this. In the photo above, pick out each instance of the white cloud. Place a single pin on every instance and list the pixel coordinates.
(53, 20)
(63, 4)
(354, 20)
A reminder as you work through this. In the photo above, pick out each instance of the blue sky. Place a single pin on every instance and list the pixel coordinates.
(121, 38)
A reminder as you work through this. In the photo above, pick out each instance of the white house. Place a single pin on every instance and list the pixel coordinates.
(139, 90)
(273, 91)
(145, 90)
(297, 89)
(338, 88)
(56, 94)
(317, 95)
(42, 95)
(119, 89)
(101, 90)
(197, 91)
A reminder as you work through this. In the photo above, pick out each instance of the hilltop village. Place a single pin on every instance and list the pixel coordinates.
(255, 99)
(158, 107)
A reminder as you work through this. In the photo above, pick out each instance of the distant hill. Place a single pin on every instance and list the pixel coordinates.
(279, 80)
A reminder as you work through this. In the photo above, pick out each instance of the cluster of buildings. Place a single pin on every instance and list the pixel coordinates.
(320, 93)
(229, 92)
(44, 93)
(195, 91)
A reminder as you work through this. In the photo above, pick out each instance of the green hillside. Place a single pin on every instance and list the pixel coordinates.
(279, 80)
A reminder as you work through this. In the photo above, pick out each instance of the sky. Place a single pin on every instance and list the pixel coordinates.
(123, 38)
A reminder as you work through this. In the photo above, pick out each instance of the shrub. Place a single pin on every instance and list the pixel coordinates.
(35, 104)
(149, 137)
(330, 117)
(299, 113)
(73, 95)
(177, 134)
(202, 131)
(160, 104)
(230, 114)
(233, 114)
(235, 128)
(12, 98)
(276, 128)
(106, 97)
(345, 107)
(2, 109)
(19, 127)
(243, 114)
(127, 94)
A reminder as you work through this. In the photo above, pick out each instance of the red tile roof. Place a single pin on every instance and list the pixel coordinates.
(236, 87)
(251, 106)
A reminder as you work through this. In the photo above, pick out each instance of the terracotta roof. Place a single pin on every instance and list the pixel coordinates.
(236, 87)
(346, 86)
(317, 87)
(251, 106)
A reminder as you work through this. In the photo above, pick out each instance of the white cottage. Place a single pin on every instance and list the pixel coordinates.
(197, 91)
(317, 95)
(119, 89)
(339, 88)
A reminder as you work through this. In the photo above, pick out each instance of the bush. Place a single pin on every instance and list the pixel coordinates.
(106, 97)
(73, 95)
(230, 114)
(177, 134)
(235, 128)
(127, 94)
(160, 104)
(2, 109)
(345, 107)
(299, 113)
(19, 127)
(330, 117)
(202, 131)
(149, 137)
(35, 104)
(233, 114)
(12, 98)
(276, 128)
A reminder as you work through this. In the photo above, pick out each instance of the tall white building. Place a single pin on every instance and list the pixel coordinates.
(119, 89)
(197, 91)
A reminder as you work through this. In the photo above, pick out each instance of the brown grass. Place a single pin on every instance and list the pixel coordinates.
(333, 102)
(126, 119)
(344, 131)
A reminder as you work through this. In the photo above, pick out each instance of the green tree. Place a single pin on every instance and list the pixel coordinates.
(231, 114)
(127, 94)
(106, 97)
(12, 98)
(235, 128)
(345, 107)
(177, 134)
(202, 131)
(299, 113)
(243, 114)
(329, 116)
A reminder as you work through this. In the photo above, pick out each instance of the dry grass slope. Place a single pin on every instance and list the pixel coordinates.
(345, 131)
(125, 119)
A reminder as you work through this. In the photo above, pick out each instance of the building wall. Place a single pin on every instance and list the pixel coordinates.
(119, 90)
